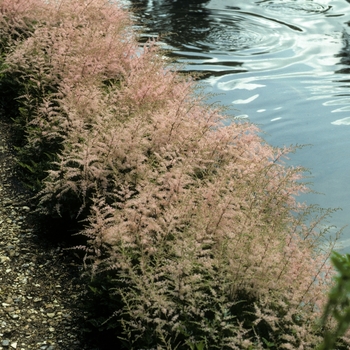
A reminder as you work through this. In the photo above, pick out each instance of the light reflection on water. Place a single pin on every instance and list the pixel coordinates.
(284, 64)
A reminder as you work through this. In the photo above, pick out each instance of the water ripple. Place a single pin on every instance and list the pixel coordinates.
(295, 7)
(244, 33)
(216, 31)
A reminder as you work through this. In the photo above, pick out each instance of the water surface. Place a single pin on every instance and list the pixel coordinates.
(284, 64)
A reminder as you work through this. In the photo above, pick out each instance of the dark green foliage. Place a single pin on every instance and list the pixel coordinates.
(338, 305)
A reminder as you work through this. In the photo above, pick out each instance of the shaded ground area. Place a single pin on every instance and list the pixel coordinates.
(41, 291)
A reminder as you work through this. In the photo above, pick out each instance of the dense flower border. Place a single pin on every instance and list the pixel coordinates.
(195, 238)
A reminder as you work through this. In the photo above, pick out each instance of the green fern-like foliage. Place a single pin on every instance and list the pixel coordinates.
(336, 315)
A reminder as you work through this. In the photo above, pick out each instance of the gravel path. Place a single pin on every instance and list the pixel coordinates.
(40, 287)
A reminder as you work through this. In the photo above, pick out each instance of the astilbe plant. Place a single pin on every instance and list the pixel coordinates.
(64, 55)
(192, 224)
(17, 20)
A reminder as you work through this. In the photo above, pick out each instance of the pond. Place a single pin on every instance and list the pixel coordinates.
(284, 64)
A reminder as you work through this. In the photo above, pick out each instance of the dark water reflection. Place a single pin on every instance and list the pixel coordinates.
(284, 64)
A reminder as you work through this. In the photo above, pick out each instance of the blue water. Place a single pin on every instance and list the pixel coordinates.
(284, 65)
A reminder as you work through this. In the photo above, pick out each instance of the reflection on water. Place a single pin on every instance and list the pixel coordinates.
(284, 64)
(291, 7)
